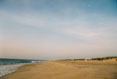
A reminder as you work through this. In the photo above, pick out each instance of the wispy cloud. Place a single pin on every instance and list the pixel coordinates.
(80, 29)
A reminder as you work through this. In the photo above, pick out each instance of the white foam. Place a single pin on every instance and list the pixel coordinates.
(6, 69)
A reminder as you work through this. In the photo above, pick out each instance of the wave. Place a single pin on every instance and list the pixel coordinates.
(10, 65)
(6, 69)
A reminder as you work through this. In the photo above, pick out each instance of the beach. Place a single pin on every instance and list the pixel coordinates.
(67, 69)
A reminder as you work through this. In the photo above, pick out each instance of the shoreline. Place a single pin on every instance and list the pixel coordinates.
(66, 69)
(8, 69)
(12, 68)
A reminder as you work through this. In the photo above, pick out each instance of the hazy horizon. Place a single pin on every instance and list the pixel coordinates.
(58, 29)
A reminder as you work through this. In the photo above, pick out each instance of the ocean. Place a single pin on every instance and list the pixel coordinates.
(10, 65)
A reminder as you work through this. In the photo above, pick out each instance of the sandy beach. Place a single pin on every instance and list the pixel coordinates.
(67, 69)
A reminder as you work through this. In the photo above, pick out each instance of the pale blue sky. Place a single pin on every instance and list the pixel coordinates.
(57, 29)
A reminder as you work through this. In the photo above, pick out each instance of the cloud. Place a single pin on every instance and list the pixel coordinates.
(54, 35)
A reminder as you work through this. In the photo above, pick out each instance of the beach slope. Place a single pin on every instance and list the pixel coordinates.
(66, 69)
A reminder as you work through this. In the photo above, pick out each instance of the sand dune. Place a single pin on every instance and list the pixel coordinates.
(67, 70)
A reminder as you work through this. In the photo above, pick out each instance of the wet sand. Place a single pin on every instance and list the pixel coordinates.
(67, 69)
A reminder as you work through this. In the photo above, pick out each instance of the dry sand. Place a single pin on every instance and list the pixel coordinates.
(67, 69)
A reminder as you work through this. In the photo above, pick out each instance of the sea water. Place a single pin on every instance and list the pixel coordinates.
(6, 69)
(10, 65)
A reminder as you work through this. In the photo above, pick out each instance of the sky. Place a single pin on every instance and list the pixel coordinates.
(58, 29)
